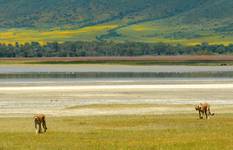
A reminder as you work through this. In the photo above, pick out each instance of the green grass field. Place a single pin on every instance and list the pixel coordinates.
(163, 132)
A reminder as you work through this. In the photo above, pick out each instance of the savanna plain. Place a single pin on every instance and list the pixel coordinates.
(115, 112)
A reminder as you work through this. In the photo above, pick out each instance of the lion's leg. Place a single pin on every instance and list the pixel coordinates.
(44, 125)
(200, 115)
(39, 127)
(206, 114)
(35, 123)
(210, 114)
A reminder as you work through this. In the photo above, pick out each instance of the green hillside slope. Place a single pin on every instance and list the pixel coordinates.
(182, 21)
(40, 13)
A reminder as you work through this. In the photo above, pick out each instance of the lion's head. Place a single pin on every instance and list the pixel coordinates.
(197, 107)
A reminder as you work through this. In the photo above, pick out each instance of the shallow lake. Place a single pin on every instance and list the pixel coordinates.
(113, 71)
(25, 90)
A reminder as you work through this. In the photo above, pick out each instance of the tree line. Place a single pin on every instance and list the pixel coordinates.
(81, 48)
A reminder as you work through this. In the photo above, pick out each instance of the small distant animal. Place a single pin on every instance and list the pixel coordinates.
(40, 122)
(204, 109)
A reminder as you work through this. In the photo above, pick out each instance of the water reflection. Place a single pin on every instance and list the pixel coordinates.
(89, 75)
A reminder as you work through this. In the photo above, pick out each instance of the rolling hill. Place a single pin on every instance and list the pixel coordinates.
(172, 21)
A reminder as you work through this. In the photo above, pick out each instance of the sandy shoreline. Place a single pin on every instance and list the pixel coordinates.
(153, 110)
(112, 87)
(26, 100)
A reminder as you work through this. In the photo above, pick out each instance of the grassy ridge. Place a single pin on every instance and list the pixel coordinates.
(43, 36)
(150, 32)
(120, 132)
(168, 31)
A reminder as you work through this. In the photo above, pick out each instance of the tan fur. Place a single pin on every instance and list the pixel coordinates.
(39, 121)
(203, 109)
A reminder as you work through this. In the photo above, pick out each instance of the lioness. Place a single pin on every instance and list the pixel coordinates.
(39, 120)
(203, 108)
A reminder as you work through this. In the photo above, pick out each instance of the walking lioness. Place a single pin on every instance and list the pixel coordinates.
(203, 108)
(39, 121)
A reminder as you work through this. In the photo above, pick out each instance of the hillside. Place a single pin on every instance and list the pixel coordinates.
(173, 21)
(48, 13)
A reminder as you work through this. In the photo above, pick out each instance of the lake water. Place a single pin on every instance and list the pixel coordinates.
(110, 68)
(113, 71)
